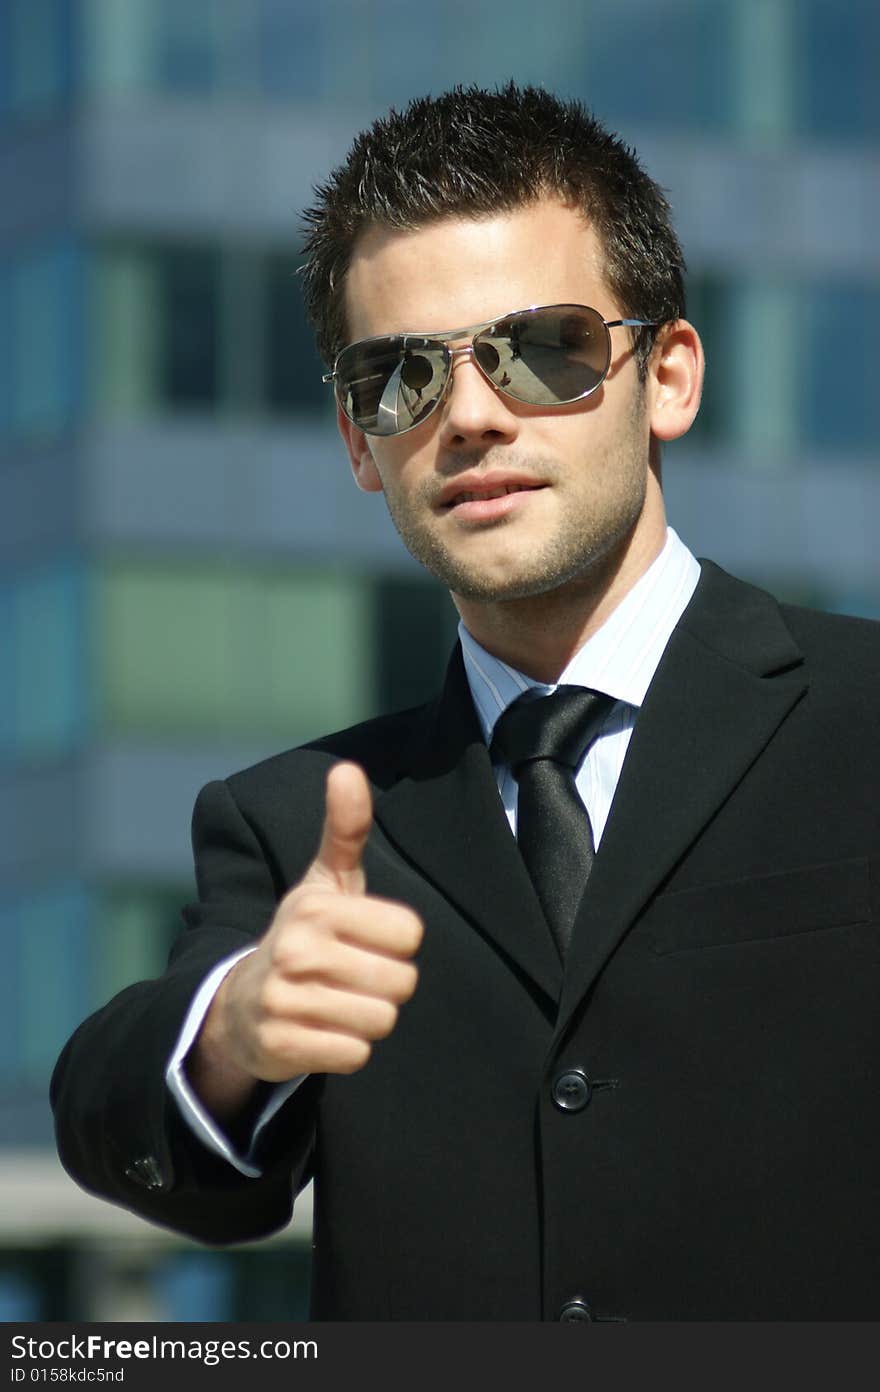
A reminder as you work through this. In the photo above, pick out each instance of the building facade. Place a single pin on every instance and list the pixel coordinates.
(188, 578)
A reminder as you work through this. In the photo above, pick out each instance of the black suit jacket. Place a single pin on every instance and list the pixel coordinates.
(720, 999)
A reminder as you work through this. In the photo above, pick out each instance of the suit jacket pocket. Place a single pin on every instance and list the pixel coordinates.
(769, 906)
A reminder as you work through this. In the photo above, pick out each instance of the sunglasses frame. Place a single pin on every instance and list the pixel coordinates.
(473, 332)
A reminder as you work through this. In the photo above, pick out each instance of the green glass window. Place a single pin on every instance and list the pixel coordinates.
(134, 929)
(125, 325)
(180, 327)
(216, 652)
(416, 625)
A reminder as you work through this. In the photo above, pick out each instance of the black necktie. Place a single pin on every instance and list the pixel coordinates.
(544, 740)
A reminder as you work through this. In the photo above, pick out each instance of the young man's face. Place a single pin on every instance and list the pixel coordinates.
(586, 488)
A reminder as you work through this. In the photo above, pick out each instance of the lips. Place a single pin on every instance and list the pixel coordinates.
(472, 491)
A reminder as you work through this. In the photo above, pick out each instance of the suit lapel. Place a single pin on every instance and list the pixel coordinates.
(728, 678)
(446, 817)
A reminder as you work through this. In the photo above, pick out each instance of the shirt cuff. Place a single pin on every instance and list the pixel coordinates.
(199, 1120)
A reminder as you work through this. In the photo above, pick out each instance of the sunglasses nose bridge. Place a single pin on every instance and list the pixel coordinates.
(467, 350)
(450, 355)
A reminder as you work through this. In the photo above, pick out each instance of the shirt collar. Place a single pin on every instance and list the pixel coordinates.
(620, 659)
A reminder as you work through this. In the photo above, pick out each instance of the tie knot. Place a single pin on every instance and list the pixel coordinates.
(561, 727)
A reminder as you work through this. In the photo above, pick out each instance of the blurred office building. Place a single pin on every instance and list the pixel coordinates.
(189, 579)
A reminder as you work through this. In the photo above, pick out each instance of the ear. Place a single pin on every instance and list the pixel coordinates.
(675, 380)
(363, 466)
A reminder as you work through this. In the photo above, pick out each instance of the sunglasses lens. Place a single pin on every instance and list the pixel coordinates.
(387, 385)
(546, 356)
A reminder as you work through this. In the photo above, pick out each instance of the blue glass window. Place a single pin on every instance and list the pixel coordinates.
(36, 54)
(19, 1299)
(8, 700)
(188, 48)
(290, 49)
(639, 62)
(46, 977)
(195, 1287)
(11, 1003)
(44, 614)
(840, 406)
(45, 318)
(838, 67)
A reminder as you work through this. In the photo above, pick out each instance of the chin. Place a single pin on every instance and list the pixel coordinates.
(496, 589)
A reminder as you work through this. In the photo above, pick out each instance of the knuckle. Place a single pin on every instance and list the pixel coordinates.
(355, 1056)
(286, 953)
(415, 930)
(310, 906)
(299, 951)
(270, 1042)
(407, 982)
(271, 998)
(403, 928)
(311, 1006)
(386, 1019)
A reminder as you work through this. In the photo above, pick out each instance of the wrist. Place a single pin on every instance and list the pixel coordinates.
(223, 1086)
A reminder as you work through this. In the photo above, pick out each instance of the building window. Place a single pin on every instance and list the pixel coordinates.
(763, 369)
(157, 328)
(188, 289)
(839, 404)
(693, 37)
(36, 55)
(234, 653)
(134, 929)
(293, 368)
(43, 308)
(44, 637)
(709, 310)
(416, 626)
(291, 49)
(46, 976)
(838, 61)
(180, 327)
(125, 331)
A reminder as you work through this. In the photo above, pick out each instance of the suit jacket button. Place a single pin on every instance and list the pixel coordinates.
(571, 1090)
(575, 1311)
(145, 1170)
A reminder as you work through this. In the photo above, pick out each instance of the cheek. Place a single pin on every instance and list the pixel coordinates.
(403, 466)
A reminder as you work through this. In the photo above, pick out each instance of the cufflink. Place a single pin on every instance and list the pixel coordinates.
(146, 1172)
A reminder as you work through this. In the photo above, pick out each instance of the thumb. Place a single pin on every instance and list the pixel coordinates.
(347, 821)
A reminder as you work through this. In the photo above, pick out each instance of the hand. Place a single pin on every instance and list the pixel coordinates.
(327, 978)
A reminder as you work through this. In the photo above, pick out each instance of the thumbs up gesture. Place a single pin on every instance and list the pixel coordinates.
(328, 977)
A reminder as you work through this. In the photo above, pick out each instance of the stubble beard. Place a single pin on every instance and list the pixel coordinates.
(592, 526)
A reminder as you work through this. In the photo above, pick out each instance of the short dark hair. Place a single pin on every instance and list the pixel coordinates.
(473, 152)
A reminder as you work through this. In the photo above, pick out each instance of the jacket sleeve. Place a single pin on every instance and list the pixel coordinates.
(119, 1132)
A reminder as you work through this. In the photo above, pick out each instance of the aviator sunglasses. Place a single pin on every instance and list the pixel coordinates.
(549, 355)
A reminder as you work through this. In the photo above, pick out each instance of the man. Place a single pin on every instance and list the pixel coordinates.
(635, 1085)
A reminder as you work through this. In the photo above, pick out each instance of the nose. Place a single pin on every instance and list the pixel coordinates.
(473, 411)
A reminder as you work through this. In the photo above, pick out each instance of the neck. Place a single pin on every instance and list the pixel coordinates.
(540, 634)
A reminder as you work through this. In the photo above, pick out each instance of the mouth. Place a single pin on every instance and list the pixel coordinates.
(474, 489)
(479, 495)
(487, 503)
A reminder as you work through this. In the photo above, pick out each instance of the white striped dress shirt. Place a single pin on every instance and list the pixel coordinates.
(619, 660)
